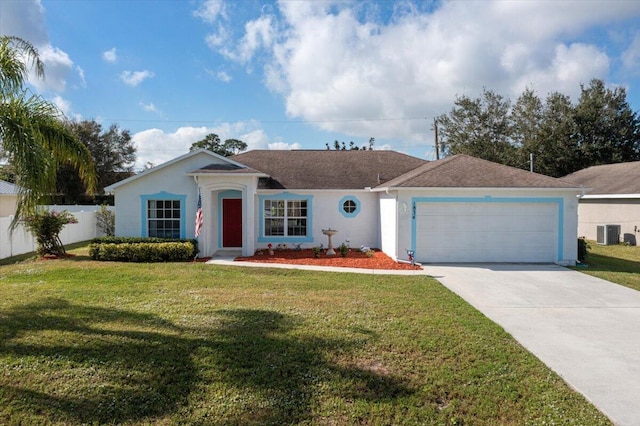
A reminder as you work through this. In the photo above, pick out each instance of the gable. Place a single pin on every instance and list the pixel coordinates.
(178, 166)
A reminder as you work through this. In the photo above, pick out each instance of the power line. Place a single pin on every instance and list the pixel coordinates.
(346, 120)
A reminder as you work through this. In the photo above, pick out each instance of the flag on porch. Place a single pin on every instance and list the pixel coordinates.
(199, 217)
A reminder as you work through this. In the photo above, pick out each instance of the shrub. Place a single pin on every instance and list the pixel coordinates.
(316, 251)
(343, 249)
(132, 249)
(106, 220)
(583, 250)
(45, 226)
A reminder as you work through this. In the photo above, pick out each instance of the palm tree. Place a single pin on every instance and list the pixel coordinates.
(33, 136)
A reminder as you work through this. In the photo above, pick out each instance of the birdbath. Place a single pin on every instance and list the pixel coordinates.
(330, 233)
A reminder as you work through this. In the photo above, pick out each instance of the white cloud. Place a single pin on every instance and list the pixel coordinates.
(150, 107)
(337, 62)
(134, 78)
(258, 35)
(110, 55)
(283, 146)
(83, 81)
(63, 105)
(157, 146)
(631, 57)
(57, 67)
(210, 10)
(223, 76)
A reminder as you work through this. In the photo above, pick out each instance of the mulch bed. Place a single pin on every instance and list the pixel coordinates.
(354, 259)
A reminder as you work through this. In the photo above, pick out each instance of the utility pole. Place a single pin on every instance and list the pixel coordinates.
(435, 129)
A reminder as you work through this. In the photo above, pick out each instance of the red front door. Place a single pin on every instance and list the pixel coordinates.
(231, 222)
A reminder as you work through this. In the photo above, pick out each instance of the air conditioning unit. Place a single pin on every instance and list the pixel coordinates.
(608, 234)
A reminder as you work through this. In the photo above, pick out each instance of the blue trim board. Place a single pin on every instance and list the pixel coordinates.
(285, 196)
(489, 199)
(163, 195)
(347, 198)
(232, 193)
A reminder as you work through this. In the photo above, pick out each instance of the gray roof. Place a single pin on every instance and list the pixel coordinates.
(620, 178)
(7, 188)
(464, 171)
(327, 169)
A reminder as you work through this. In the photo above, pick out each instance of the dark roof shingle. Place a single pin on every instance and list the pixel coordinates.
(464, 171)
(620, 178)
(327, 169)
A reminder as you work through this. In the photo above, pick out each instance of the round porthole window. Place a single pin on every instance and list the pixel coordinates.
(349, 206)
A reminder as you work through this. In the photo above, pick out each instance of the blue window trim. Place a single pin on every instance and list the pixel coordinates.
(349, 198)
(490, 199)
(232, 193)
(164, 196)
(285, 196)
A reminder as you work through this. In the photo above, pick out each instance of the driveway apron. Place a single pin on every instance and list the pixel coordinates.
(586, 329)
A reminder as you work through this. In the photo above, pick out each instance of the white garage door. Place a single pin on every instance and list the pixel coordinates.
(486, 232)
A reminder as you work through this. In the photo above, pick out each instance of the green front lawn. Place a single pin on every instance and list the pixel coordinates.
(85, 342)
(617, 263)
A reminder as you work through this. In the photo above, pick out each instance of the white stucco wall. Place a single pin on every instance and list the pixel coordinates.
(8, 204)
(172, 179)
(569, 220)
(211, 188)
(363, 229)
(389, 213)
(623, 212)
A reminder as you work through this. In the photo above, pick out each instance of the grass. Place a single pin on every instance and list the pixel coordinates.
(84, 342)
(616, 263)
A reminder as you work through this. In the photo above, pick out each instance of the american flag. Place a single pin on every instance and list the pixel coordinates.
(199, 217)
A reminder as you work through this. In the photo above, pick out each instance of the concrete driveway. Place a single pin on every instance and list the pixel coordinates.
(586, 329)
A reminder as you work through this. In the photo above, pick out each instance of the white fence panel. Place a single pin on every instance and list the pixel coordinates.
(21, 241)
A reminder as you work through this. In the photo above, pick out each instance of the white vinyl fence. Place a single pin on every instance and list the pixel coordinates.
(21, 241)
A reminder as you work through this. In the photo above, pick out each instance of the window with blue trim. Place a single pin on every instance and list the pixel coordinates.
(163, 218)
(285, 218)
(349, 206)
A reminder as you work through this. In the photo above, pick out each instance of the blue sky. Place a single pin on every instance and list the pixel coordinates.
(298, 74)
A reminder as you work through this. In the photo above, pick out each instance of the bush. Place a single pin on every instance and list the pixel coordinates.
(583, 250)
(106, 220)
(45, 226)
(343, 249)
(127, 249)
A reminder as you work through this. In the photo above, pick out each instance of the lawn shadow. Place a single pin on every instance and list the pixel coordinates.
(102, 365)
(99, 365)
(259, 351)
(598, 262)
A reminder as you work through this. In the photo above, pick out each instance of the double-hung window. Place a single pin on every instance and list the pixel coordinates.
(163, 218)
(285, 218)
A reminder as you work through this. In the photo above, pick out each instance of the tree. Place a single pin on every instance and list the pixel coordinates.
(563, 138)
(212, 143)
(555, 153)
(608, 131)
(479, 127)
(32, 134)
(342, 146)
(113, 153)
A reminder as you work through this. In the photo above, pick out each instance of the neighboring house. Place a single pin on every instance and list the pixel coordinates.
(8, 198)
(459, 209)
(614, 199)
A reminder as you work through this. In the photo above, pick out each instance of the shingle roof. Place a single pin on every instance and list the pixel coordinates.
(463, 171)
(7, 188)
(620, 178)
(224, 168)
(327, 169)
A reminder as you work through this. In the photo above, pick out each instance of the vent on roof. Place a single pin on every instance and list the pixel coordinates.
(608, 234)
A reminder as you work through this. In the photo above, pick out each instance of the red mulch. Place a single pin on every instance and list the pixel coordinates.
(355, 259)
